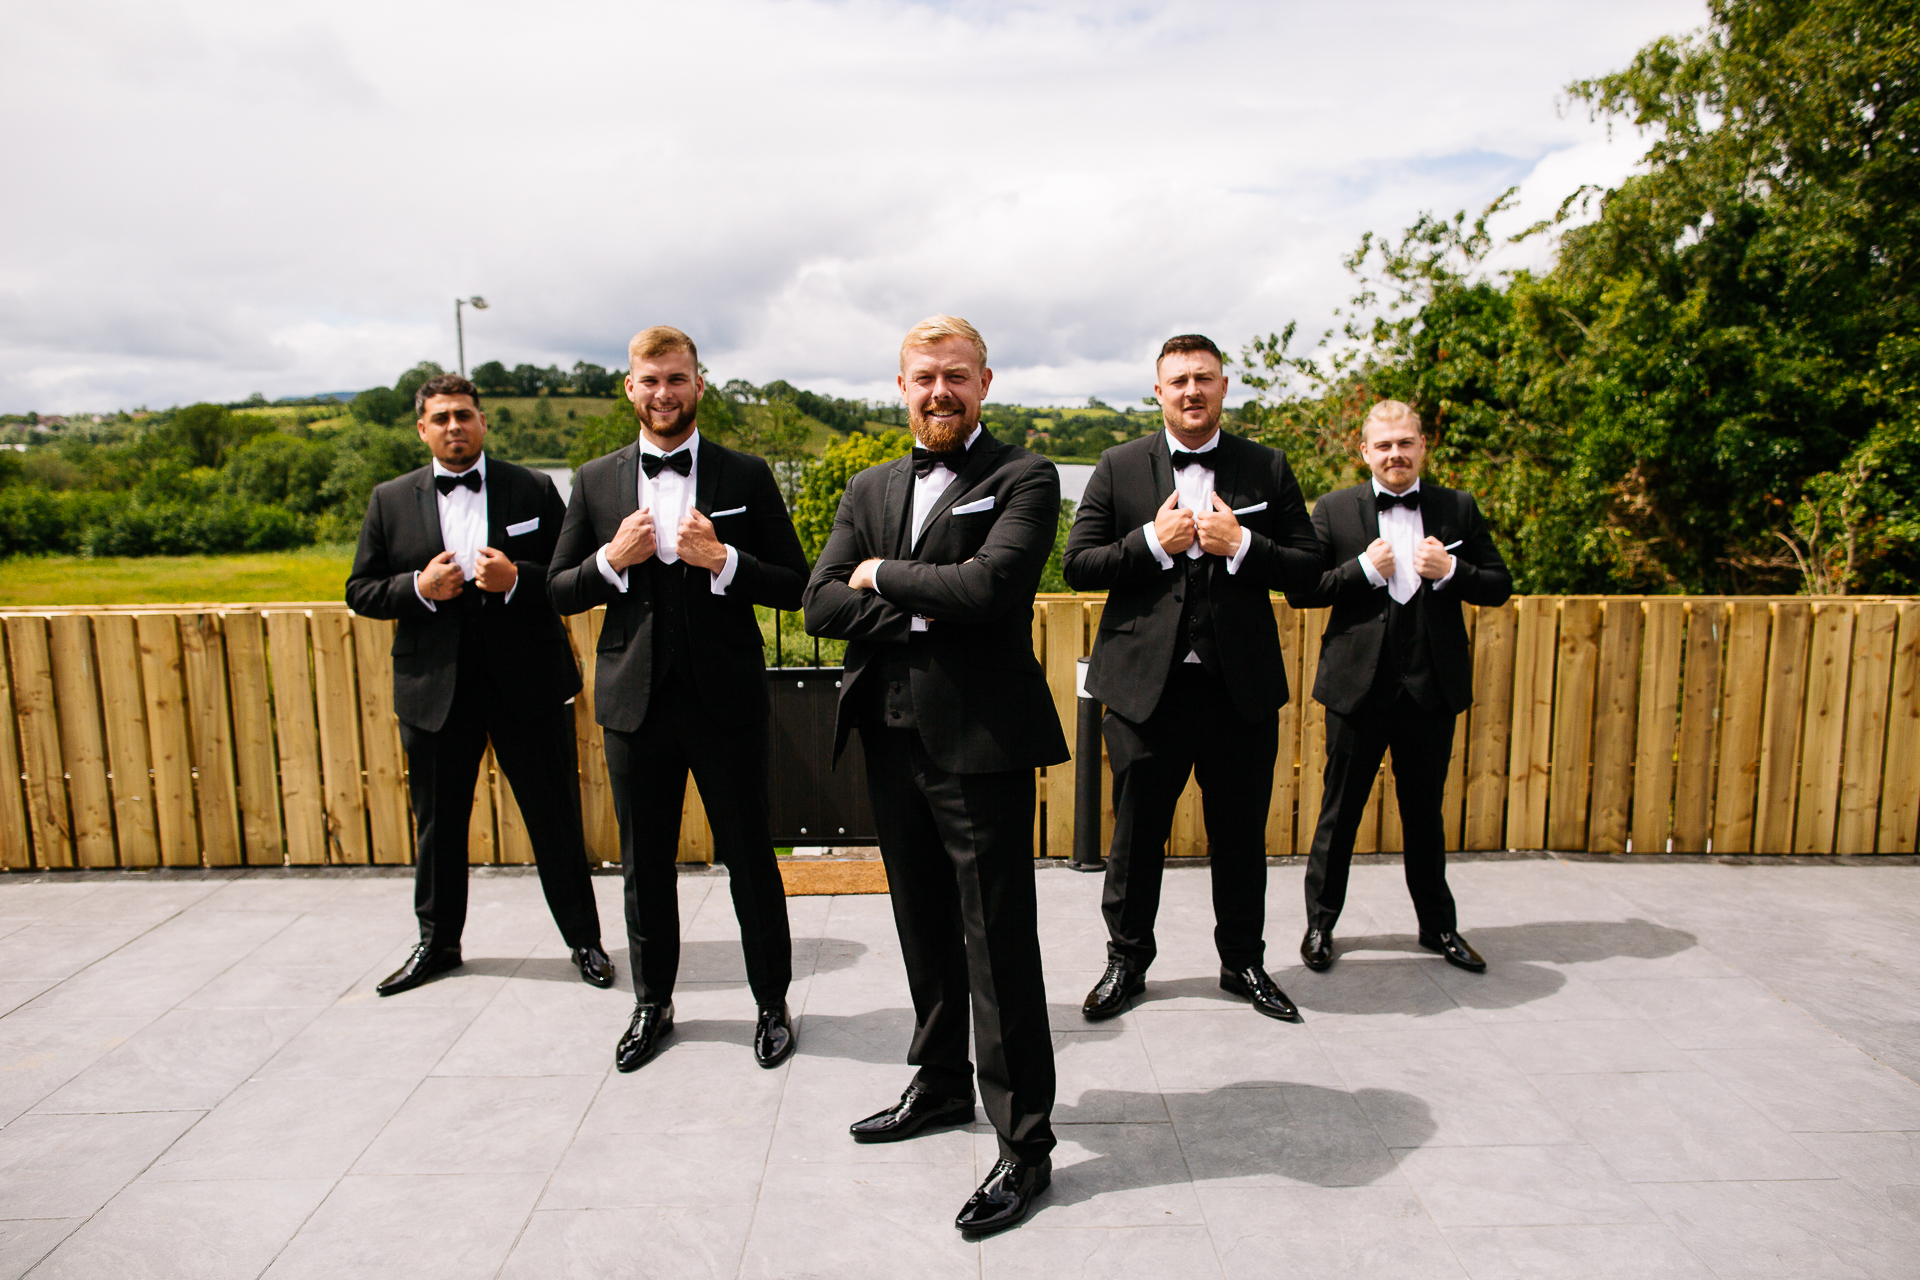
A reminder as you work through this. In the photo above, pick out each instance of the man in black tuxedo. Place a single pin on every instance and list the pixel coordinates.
(1394, 668)
(929, 575)
(457, 552)
(1188, 530)
(680, 539)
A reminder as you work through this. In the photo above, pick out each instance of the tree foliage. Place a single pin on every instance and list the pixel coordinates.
(1711, 387)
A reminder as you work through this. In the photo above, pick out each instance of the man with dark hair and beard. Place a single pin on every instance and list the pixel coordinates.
(456, 553)
(929, 575)
(1188, 530)
(680, 539)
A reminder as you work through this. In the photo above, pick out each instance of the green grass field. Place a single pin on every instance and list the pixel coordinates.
(311, 573)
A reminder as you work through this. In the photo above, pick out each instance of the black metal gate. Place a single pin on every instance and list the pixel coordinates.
(814, 803)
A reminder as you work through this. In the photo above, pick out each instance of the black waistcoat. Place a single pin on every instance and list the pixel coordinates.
(1195, 634)
(671, 641)
(1405, 659)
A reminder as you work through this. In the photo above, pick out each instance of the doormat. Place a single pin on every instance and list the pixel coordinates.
(868, 875)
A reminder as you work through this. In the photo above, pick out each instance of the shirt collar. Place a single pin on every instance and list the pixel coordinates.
(1175, 446)
(479, 464)
(692, 446)
(1379, 488)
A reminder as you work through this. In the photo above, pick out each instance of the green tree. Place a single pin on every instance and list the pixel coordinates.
(1707, 385)
(825, 480)
(411, 381)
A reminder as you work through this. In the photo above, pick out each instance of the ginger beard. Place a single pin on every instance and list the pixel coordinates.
(942, 435)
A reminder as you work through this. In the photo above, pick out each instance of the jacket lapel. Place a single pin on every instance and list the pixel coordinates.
(499, 503)
(1161, 464)
(899, 503)
(1369, 516)
(428, 501)
(706, 480)
(1226, 471)
(626, 475)
(980, 460)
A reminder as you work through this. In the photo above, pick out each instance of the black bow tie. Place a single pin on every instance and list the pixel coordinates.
(465, 480)
(652, 463)
(1184, 458)
(925, 460)
(1410, 500)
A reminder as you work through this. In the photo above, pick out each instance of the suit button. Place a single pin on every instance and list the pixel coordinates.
(1176, 597)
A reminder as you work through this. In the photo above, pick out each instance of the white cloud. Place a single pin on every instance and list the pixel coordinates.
(215, 198)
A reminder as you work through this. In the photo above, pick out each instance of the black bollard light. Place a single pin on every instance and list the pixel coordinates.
(1086, 780)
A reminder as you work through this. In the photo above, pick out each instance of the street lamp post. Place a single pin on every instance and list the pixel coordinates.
(478, 303)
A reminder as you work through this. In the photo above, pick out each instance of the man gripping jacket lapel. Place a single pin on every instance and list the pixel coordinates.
(1188, 530)
(457, 553)
(1394, 668)
(680, 538)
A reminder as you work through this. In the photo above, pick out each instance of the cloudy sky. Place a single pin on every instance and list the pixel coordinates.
(211, 199)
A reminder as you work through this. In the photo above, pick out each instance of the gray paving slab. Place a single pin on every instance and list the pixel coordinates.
(1673, 1069)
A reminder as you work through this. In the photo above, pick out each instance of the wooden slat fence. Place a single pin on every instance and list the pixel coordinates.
(264, 735)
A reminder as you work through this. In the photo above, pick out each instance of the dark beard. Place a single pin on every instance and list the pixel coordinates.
(681, 423)
(941, 439)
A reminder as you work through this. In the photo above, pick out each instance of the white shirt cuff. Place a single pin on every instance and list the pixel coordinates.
(1453, 565)
(1240, 552)
(1373, 574)
(615, 580)
(1153, 545)
(723, 578)
(423, 600)
(508, 598)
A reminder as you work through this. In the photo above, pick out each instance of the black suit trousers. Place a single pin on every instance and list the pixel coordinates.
(648, 770)
(1195, 730)
(538, 754)
(958, 848)
(1422, 743)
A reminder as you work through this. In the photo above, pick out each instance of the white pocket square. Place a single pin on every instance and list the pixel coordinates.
(1247, 511)
(974, 508)
(525, 526)
(730, 511)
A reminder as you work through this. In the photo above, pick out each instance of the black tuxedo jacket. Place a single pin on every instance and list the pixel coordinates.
(530, 665)
(979, 694)
(1107, 550)
(1348, 523)
(737, 492)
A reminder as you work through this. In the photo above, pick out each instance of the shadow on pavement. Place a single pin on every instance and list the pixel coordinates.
(1303, 1133)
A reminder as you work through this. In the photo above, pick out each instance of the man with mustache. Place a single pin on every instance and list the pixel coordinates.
(929, 575)
(680, 539)
(457, 553)
(1394, 668)
(1188, 530)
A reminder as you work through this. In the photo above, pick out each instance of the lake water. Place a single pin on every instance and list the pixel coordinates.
(1073, 480)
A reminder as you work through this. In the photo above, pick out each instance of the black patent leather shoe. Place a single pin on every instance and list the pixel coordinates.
(595, 965)
(422, 964)
(1455, 949)
(773, 1038)
(1317, 950)
(651, 1024)
(1004, 1198)
(1115, 993)
(917, 1110)
(1252, 983)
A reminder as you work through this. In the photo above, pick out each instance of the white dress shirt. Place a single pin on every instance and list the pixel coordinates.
(1404, 530)
(463, 525)
(669, 496)
(926, 495)
(1194, 484)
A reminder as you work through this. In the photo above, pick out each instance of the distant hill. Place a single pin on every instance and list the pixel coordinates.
(342, 396)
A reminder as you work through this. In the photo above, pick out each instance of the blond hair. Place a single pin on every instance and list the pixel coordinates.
(1390, 411)
(660, 340)
(937, 329)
